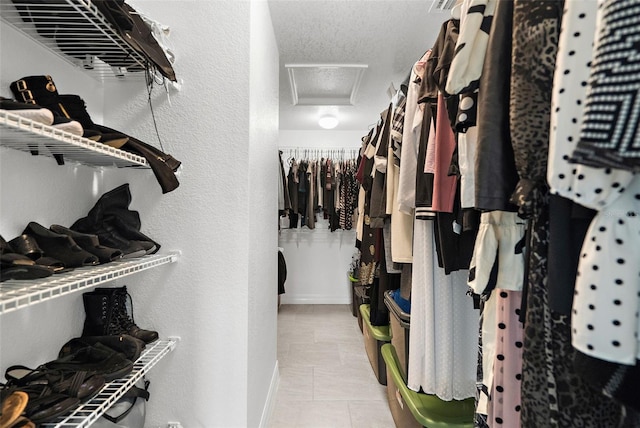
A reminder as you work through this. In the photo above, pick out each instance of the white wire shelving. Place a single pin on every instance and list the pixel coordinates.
(36, 138)
(89, 412)
(16, 294)
(78, 33)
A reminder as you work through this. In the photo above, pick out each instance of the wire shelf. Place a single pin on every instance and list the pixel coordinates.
(16, 294)
(89, 412)
(77, 32)
(33, 137)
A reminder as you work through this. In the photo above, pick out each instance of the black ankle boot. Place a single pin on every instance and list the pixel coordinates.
(111, 237)
(76, 108)
(40, 90)
(99, 320)
(114, 317)
(61, 247)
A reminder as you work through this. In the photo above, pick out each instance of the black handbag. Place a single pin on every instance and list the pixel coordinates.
(129, 411)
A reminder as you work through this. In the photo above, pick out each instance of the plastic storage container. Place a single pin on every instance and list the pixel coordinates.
(413, 409)
(362, 298)
(399, 322)
(374, 337)
(353, 282)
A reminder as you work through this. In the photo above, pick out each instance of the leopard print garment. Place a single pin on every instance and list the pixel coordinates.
(552, 394)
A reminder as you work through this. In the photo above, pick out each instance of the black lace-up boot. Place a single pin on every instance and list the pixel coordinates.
(116, 316)
(99, 320)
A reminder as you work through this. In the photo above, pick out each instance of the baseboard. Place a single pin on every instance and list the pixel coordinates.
(315, 299)
(270, 404)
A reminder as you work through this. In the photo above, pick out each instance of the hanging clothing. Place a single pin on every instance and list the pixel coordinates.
(444, 325)
(588, 186)
(444, 185)
(303, 192)
(284, 203)
(610, 136)
(467, 142)
(414, 113)
(466, 65)
(585, 185)
(596, 188)
(397, 124)
(439, 62)
(292, 184)
(424, 179)
(310, 182)
(497, 246)
(363, 178)
(502, 334)
(529, 114)
(369, 257)
(401, 225)
(553, 394)
(606, 303)
(378, 208)
(495, 172)
(455, 237)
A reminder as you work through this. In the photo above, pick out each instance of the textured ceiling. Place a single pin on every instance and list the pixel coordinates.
(387, 35)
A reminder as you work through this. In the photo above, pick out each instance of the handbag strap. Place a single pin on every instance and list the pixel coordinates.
(135, 393)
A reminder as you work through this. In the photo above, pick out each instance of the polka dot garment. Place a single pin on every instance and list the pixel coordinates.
(592, 187)
(609, 135)
(605, 321)
(504, 403)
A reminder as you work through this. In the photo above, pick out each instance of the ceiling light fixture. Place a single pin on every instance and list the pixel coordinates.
(328, 122)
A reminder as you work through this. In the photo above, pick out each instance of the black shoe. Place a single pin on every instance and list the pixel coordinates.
(95, 359)
(61, 247)
(127, 345)
(90, 243)
(120, 316)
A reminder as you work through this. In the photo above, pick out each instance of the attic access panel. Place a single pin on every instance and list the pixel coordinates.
(324, 84)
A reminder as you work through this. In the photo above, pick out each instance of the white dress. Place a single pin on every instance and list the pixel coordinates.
(443, 338)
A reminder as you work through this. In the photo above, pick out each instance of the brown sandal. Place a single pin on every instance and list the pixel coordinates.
(12, 408)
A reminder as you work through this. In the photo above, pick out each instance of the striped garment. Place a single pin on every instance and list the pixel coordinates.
(609, 135)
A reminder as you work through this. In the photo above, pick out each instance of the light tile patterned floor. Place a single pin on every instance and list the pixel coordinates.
(326, 380)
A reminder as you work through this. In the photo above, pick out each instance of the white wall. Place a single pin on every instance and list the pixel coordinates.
(220, 296)
(318, 259)
(263, 198)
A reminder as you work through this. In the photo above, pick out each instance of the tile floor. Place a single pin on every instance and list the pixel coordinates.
(326, 380)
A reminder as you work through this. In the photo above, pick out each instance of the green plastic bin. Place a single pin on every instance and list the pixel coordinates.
(362, 298)
(353, 282)
(374, 337)
(427, 410)
(400, 322)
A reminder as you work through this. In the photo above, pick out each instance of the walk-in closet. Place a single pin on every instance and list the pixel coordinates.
(449, 186)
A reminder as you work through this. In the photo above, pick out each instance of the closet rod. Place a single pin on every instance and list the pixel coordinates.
(336, 153)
